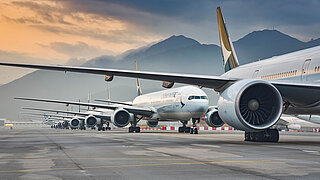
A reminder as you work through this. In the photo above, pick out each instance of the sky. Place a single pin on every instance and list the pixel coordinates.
(74, 31)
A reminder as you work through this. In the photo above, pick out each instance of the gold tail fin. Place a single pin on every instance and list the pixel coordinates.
(230, 59)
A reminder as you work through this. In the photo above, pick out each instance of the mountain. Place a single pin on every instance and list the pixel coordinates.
(267, 43)
(178, 54)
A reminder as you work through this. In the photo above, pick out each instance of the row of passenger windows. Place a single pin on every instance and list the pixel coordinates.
(317, 69)
(280, 75)
(197, 97)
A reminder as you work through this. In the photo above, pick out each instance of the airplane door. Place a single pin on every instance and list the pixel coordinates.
(304, 70)
(255, 74)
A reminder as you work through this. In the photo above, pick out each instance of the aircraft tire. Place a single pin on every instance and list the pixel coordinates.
(196, 131)
(191, 130)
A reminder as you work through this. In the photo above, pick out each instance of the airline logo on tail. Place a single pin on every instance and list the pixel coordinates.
(228, 53)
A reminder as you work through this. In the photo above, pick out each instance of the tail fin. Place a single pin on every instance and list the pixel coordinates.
(230, 59)
(138, 82)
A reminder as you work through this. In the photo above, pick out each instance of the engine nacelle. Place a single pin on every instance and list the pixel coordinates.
(167, 84)
(121, 118)
(75, 123)
(250, 105)
(65, 124)
(152, 123)
(213, 119)
(91, 121)
(108, 78)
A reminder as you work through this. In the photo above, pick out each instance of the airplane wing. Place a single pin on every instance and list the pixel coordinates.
(113, 102)
(214, 82)
(68, 112)
(289, 91)
(131, 109)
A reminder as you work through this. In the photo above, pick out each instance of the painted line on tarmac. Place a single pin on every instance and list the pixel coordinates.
(145, 165)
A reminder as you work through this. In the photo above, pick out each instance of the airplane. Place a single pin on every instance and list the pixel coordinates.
(252, 97)
(81, 120)
(177, 104)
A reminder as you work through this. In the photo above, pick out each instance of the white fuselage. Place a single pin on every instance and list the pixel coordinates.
(297, 67)
(181, 103)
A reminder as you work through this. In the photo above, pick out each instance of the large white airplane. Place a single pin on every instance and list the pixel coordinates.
(176, 104)
(252, 96)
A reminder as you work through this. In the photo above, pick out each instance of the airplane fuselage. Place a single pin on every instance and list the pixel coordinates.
(297, 67)
(181, 103)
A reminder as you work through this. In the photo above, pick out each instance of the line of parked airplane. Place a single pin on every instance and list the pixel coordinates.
(252, 97)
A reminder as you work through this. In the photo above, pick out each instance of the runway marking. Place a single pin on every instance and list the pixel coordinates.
(144, 165)
(98, 158)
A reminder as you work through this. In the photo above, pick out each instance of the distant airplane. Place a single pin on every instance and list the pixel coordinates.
(252, 96)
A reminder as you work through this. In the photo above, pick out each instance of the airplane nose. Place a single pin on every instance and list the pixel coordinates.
(202, 106)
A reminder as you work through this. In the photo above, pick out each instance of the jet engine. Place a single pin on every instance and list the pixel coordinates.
(121, 118)
(75, 123)
(92, 121)
(152, 123)
(250, 105)
(65, 124)
(213, 119)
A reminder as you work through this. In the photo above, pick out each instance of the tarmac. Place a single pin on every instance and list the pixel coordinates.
(45, 153)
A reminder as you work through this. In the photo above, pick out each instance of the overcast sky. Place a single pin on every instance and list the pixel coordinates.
(53, 32)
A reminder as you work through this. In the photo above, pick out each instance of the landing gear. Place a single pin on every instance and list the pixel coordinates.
(184, 128)
(133, 128)
(268, 135)
(194, 129)
(108, 126)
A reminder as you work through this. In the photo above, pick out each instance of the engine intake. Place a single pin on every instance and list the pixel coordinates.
(250, 105)
(152, 123)
(121, 118)
(75, 123)
(65, 124)
(91, 121)
(213, 119)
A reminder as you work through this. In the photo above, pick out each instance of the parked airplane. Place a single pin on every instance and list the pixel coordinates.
(82, 120)
(176, 104)
(252, 96)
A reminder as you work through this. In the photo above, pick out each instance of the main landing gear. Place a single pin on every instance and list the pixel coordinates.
(268, 135)
(184, 128)
(134, 128)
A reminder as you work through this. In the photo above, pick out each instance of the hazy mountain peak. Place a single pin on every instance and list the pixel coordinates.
(268, 35)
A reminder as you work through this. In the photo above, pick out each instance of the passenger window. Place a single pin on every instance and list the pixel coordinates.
(197, 97)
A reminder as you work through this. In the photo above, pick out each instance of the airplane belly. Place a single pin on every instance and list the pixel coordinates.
(303, 111)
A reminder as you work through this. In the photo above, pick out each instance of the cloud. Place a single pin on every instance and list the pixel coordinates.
(78, 50)
(8, 74)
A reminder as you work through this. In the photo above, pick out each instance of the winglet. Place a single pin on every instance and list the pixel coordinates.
(229, 56)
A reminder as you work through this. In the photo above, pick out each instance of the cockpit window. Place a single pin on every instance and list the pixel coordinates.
(197, 97)
(204, 97)
(190, 97)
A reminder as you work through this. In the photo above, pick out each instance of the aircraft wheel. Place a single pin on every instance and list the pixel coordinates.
(191, 130)
(130, 129)
(196, 131)
(187, 129)
(181, 129)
